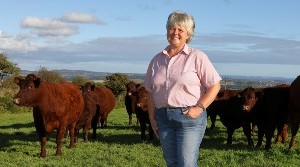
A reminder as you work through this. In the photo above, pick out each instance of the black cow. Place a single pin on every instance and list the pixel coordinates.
(294, 110)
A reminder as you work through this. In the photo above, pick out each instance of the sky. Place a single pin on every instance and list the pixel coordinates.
(240, 37)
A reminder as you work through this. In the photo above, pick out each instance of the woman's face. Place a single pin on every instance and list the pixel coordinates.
(177, 36)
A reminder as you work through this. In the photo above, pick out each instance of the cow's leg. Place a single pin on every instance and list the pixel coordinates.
(151, 133)
(279, 137)
(260, 135)
(230, 132)
(130, 119)
(213, 118)
(294, 130)
(41, 131)
(72, 132)
(76, 134)
(94, 125)
(43, 147)
(59, 136)
(86, 129)
(138, 121)
(253, 127)
(143, 128)
(269, 134)
(285, 133)
(247, 132)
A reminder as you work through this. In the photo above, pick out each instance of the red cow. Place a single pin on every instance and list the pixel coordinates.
(130, 100)
(231, 114)
(142, 112)
(105, 99)
(90, 115)
(294, 110)
(55, 106)
(213, 110)
(269, 108)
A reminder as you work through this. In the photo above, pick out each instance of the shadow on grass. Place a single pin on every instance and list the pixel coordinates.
(125, 135)
(216, 139)
(7, 139)
(18, 126)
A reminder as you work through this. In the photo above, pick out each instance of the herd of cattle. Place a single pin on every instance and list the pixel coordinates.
(67, 107)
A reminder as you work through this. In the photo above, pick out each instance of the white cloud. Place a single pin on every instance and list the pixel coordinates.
(48, 27)
(80, 18)
(34, 22)
(19, 44)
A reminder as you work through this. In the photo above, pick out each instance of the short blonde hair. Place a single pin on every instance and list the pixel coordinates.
(182, 19)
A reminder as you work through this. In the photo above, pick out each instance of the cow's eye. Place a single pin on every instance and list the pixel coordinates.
(29, 87)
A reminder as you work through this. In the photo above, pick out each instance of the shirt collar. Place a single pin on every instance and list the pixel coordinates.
(185, 50)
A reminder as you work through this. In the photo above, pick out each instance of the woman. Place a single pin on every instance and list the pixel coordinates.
(182, 83)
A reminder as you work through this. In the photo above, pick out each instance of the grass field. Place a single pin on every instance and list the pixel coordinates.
(120, 145)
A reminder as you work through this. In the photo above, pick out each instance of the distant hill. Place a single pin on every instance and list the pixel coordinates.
(69, 74)
(228, 81)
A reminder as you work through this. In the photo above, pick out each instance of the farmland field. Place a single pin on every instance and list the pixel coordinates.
(119, 145)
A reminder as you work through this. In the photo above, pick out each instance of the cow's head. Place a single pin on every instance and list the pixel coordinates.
(226, 94)
(132, 88)
(142, 96)
(29, 90)
(88, 87)
(250, 96)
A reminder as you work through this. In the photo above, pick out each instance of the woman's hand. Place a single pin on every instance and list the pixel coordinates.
(193, 112)
(154, 127)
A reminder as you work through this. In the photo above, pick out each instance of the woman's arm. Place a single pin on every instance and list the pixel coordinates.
(206, 100)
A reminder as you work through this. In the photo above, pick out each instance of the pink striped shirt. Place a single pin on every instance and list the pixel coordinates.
(181, 80)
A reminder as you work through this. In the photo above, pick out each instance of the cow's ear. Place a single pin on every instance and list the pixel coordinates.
(92, 87)
(37, 82)
(18, 80)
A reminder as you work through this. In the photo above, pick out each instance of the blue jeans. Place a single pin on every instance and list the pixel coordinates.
(180, 136)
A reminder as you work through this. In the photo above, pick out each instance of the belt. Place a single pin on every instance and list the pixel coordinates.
(173, 108)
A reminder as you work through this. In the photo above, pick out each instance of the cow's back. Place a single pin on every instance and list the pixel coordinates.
(61, 100)
(107, 100)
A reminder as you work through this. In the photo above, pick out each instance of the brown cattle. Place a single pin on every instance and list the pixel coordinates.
(105, 99)
(130, 100)
(231, 114)
(142, 112)
(55, 106)
(90, 115)
(214, 110)
(269, 107)
(294, 110)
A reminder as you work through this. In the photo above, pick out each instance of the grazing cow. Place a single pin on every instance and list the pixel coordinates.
(142, 112)
(130, 100)
(105, 99)
(55, 106)
(232, 115)
(294, 110)
(90, 115)
(269, 107)
(213, 110)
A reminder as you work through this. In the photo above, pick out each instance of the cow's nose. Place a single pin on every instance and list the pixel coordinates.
(17, 101)
(246, 108)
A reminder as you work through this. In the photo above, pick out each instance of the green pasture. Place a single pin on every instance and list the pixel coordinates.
(120, 145)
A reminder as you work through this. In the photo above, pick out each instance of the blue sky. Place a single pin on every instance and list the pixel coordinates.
(241, 37)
